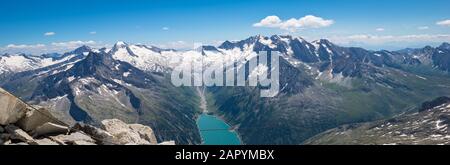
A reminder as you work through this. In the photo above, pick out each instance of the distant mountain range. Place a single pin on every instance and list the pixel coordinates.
(323, 86)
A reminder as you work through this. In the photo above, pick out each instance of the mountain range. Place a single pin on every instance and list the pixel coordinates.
(323, 86)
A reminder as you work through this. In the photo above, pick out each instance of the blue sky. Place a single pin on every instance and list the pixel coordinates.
(48, 25)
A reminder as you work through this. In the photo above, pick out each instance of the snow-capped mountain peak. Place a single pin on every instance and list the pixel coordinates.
(82, 50)
(17, 63)
(118, 45)
(147, 58)
(13, 63)
(121, 44)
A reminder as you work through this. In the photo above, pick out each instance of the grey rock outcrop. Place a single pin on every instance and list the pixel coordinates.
(22, 124)
(12, 109)
(19, 134)
(50, 128)
(46, 141)
(104, 137)
(74, 138)
(134, 134)
(33, 119)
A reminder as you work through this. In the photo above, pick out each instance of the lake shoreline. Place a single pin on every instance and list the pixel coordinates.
(215, 131)
(234, 128)
(218, 120)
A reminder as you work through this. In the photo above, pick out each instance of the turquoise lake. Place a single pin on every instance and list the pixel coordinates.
(215, 131)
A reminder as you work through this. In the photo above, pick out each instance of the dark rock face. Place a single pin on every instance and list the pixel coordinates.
(429, 126)
(445, 45)
(441, 59)
(438, 57)
(434, 103)
(203, 49)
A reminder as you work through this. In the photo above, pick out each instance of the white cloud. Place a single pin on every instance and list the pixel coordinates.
(165, 28)
(383, 39)
(309, 21)
(181, 45)
(217, 42)
(314, 22)
(73, 44)
(187, 45)
(269, 21)
(23, 46)
(423, 28)
(49, 34)
(444, 22)
(59, 47)
(379, 29)
(93, 32)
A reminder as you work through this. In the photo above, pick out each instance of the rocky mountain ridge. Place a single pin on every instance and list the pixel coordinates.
(429, 126)
(322, 85)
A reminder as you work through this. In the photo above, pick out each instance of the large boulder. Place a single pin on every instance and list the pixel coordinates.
(19, 134)
(133, 134)
(45, 141)
(12, 109)
(35, 118)
(144, 132)
(50, 129)
(100, 135)
(77, 138)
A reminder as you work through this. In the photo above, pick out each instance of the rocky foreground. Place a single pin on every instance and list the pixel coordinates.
(429, 126)
(22, 124)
